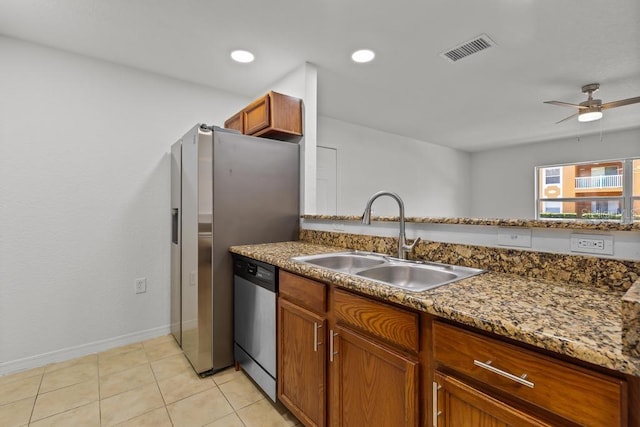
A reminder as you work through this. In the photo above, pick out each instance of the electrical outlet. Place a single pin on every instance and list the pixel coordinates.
(592, 244)
(140, 285)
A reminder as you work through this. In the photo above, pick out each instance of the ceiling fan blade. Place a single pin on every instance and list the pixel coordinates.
(620, 103)
(564, 104)
(567, 118)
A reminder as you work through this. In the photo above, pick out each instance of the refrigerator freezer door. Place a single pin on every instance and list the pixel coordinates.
(197, 205)
(176, 190)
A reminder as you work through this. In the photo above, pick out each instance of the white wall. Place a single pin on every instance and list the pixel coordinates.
(84, 199)
(432, 180)
(302, 83)
(502, 180)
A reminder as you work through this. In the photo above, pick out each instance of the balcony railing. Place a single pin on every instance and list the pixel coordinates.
(602, 181)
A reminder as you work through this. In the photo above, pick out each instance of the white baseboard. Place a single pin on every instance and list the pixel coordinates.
(30, 362)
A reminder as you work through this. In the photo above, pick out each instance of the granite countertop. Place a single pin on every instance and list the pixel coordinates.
(583, 323)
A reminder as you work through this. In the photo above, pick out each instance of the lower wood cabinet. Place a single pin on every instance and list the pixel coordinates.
(302, 363)
(360, 348)
(575, 394)
(349, 360)
(458, 404)
(371, 384)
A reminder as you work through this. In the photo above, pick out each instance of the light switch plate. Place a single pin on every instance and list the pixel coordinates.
(511, 236)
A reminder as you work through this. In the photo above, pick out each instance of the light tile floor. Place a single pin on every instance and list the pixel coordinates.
(144, 384)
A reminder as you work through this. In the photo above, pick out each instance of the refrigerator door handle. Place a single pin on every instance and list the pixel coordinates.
(175, 217)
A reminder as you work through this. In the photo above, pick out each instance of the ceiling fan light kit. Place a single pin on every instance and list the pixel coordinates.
(591, 109)
(590, 114)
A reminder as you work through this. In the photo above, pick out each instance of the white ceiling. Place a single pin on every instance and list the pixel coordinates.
(546, 50)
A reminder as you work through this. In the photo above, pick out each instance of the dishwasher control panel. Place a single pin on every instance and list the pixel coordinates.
(257, 272)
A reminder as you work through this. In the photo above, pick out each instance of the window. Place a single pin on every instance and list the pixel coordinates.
(552, 207)
(601, 190)
(552, 176)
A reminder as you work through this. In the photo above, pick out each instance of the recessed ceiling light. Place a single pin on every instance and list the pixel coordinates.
(243, 56)
(363, 55)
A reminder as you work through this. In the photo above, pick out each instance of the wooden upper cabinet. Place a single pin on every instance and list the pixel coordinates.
(275, 116)
(235, 122)
(257, 116)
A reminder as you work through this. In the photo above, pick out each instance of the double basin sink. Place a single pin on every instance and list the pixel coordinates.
(415, 276)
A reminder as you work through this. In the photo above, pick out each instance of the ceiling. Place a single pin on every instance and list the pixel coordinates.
(546, 50)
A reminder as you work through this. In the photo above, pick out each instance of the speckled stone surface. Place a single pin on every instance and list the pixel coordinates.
(583, 323)
(630, 310)
(579, 225)
(587, 271)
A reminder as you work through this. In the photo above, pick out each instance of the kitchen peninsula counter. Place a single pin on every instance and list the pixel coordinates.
(584, 323)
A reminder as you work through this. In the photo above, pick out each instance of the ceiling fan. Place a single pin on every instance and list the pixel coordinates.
(591, 109)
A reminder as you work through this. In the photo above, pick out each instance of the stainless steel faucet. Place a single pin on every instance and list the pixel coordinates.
(403, 248)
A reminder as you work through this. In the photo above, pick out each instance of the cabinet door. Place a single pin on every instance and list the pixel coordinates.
(235, 122)
(371, 384)
(257, 116)
(460, 405)
(302, 363)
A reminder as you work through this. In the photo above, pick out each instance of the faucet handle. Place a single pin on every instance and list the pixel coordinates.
(410, 247)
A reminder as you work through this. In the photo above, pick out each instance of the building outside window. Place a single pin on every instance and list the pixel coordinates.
(603, 190)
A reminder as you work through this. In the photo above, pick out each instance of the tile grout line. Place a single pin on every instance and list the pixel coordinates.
(38, 394)
(159, 389)
(148, 362)
(35, 399)
(228, 401)
(99, 390)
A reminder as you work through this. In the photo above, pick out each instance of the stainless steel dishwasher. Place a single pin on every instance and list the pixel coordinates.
(255, 285)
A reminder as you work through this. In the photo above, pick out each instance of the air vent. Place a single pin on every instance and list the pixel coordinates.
(470, 47)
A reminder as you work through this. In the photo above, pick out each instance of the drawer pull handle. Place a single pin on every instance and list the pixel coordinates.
(435, 413)
(487, 365)
(316, 326)
(331, 352)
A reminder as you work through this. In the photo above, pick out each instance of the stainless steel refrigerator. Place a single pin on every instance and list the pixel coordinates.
(226, 189)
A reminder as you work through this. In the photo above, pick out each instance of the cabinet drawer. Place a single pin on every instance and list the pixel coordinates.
(305, 292)
(392, 324)
(585, 397)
